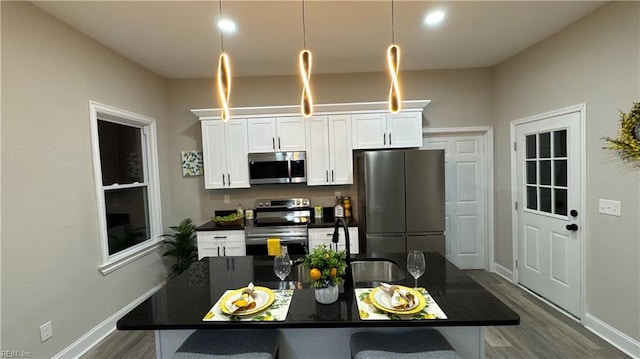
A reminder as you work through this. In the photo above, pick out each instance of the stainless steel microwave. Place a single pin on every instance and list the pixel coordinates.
(277, 167)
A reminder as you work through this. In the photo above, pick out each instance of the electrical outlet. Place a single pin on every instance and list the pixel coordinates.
(226, 199)
(612, 208)
(338, 194)
(46, 331)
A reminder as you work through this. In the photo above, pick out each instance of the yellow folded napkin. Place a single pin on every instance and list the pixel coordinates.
(401, 298)
(273, 246)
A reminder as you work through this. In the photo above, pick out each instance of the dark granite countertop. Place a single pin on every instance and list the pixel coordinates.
(212, 226)
(183, 302)
(324, 222)
(329, 222)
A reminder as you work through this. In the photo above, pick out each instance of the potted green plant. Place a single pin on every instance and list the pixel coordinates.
(327, 268)
(183, 245)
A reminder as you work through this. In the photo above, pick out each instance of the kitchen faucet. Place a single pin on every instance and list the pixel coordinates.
(348, 277)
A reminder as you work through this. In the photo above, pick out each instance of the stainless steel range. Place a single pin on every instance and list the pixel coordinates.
(285, 218)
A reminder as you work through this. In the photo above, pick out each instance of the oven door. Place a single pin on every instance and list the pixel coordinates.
(296, 238)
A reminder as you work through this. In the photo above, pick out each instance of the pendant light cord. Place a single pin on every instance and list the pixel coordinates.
(393, 35)
(304, 29)
(221, 37)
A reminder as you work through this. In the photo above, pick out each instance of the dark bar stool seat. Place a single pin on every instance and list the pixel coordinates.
(416, 344)
(230, 344)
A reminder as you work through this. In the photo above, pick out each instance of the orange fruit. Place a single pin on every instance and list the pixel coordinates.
(315, 273)
(334, 272)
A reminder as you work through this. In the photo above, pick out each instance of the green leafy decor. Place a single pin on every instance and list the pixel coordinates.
(182, 245)
(326, 266)
(627, 144)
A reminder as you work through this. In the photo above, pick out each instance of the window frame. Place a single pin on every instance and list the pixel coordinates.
(147, 125)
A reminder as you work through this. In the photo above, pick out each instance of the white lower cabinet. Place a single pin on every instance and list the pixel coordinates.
(329, 151)
(320, 236)
(221, 244)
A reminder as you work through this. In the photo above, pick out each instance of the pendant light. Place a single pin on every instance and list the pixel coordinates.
(223, 77)
(393, 62)
(305, 58)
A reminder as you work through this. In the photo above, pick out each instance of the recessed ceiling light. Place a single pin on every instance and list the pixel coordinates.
(434, 18)
(227, 26)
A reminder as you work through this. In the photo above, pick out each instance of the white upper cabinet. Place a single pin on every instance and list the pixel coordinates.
(329, 150)
(384, 130)
(405, 129)
(224, 152)
(273, 134)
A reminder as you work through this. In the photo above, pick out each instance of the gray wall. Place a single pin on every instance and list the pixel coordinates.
(50, 247)
(459, 98)
(594, 61)
(50, 235)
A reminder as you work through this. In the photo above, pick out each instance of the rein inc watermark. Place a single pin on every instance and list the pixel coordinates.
(15, 354)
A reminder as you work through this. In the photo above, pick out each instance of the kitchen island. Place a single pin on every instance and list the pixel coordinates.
(311, 329)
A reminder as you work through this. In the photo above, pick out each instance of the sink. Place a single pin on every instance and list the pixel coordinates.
(378, 270)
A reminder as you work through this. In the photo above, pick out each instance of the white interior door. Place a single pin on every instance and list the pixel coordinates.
(548, 194)
(465, 197)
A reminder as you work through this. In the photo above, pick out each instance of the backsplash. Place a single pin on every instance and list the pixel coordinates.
(318, 195)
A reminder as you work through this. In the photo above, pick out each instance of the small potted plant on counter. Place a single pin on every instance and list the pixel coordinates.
(327, 269)
(183, 245)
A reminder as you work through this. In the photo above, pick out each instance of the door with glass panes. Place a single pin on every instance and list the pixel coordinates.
(548, 191)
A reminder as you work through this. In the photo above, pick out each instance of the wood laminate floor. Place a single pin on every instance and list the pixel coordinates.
(543, 332)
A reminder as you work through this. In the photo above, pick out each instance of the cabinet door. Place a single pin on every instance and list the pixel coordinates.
(290, 132)
(261, 133)
(241, 271)
(234, 244)
(214, 154)
(340, 150)
(353, 239)
(369, 131)
(237, 151)
(320, 236)
(317, 139)
(404, 130)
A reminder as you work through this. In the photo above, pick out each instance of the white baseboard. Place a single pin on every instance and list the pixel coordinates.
(102, 330)
(504, 272)
(615, 337)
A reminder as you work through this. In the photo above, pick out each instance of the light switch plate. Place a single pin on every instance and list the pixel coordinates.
(607, 206)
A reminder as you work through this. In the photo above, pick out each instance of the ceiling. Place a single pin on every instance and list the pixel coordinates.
(179, 39)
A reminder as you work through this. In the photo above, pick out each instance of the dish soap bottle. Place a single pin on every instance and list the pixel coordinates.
(338, 210)
(240, 210)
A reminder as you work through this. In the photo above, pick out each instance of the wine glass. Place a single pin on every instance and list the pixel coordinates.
(282, 267)
(416, 265)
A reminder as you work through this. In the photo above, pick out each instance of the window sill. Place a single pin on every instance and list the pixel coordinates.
(120, 262)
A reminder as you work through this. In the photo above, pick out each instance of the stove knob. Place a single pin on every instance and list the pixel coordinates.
(297, 202)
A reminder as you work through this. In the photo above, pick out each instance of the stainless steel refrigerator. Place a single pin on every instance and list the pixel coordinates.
(401, 200)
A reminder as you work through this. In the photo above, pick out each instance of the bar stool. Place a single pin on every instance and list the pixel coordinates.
(417, 344)
(230, 343)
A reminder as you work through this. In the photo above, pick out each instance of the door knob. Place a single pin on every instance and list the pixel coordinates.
(572, 227)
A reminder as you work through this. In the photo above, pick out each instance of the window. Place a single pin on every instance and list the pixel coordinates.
(128, 194)
(546, 172)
